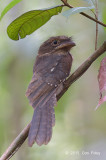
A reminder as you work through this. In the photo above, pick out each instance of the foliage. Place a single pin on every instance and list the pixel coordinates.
(79, 9)
(8, 7)
(76, 10)
(32, 20)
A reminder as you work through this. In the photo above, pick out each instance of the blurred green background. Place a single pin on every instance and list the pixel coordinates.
(78, 128)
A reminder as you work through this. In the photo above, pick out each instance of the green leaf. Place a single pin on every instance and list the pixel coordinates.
(79, 9)
(76, 10)
(31, 21)
(8, 7)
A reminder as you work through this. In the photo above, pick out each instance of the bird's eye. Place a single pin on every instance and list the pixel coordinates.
(55, 43)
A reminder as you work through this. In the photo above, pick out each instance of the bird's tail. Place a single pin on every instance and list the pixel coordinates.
(42, 122)
(43, 99)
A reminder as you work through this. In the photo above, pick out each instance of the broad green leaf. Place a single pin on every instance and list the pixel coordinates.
(76, 10)
(31, 21)
(8, 7)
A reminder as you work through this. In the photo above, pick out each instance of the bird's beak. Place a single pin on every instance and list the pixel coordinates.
(67, 44)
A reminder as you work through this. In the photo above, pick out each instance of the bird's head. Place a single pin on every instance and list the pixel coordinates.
(56, 43)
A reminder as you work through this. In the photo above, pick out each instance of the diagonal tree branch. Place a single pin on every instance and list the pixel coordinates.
(16, 144)
(84, 14)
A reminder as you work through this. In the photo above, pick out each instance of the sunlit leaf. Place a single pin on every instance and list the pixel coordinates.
(31, 21)
(79, 9)
(76, 10)
(8, 7)
(102, 82)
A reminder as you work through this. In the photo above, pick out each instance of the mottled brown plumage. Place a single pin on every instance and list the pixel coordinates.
(51, 68)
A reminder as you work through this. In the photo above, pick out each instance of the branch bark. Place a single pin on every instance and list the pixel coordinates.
(19, 140)
(84, 14)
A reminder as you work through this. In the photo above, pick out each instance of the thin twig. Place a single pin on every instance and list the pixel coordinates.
(96, 16)
(77, 74)
(84, 14)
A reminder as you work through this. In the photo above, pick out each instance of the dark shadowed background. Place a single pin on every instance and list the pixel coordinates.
(79, 131)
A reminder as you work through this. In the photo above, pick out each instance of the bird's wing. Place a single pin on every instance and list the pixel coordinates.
(49, 72)
(38, 90)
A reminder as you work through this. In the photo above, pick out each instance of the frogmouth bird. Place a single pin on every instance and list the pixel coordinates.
(51, 68)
